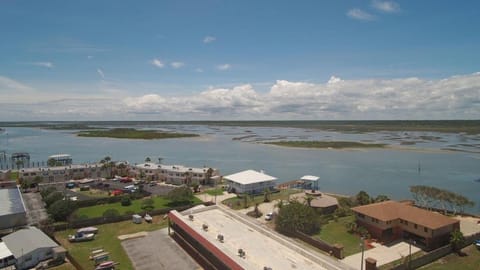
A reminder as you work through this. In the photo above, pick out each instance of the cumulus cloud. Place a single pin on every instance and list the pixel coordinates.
(100, 72)
(209, 39)
(177, 64)
(43, 64)
(358, 14)
(404, 98)
(156, 62)
(224, 67)
(386, 6)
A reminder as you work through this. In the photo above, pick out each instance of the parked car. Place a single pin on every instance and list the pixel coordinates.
(269, 216)
(70, 185)
(117, 192)
(477, 243)
(126, 180)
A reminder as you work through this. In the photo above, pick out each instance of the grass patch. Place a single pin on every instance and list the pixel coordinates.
(131, 133)
(213, 192)
(237, 203)
(327, 144)
(136, 206)
(453, 261)
(107, 239)
(336, 232)
(14, 175)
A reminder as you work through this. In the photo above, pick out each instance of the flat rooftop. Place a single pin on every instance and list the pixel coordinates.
(249, 177)
(263, 248)
(11, 201)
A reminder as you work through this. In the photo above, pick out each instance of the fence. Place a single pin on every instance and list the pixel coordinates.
(335, 250)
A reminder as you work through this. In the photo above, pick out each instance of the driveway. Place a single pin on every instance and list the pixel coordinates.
(382, 254)
(157, 251)
(469, 225)
(35, 207)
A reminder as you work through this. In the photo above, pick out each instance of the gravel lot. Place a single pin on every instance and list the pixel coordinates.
(35, 207)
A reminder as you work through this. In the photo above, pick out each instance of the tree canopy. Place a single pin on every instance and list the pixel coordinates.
(180, 195)
(297, 216)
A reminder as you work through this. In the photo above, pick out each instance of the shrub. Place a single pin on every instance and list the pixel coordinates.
(147, 204)
(61, 209)
(46, 191)
(111, 213)
(126, 201)
(53, 197)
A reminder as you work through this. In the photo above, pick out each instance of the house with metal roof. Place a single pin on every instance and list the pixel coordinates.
(30, 246)
(12, 209)
(391, 220)
(249, 181)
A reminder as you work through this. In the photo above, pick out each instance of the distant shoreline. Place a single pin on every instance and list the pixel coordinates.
(358, 126)
(327, 144)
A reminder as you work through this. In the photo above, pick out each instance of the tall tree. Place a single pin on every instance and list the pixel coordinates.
(296, 216)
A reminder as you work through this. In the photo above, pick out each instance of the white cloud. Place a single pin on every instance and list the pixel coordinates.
(156, 62)
(359, 14)
(199, 70)
(224, 67)
(386, 6)
(209, 39)
(89, 57)
(456, 97)
(100, 72)
(43, 64)
(177, 64)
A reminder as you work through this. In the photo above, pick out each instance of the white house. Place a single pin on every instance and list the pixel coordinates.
(249, 181)
(30, 246)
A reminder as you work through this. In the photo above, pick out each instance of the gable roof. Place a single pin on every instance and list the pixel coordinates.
(249, 177)
(27, 240)
(391, 210)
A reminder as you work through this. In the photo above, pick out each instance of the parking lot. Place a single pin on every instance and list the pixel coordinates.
(157, 250)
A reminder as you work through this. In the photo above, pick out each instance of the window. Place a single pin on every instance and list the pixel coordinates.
(415, 226)
(361, 215)
(425, 229)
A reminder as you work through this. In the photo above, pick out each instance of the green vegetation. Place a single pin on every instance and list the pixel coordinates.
(14, 175)
(107, 239)
(297, 216)
(336, 232)
(453, 261)
(244, 201)
(180, 196)
(135, 207)
(213, 192)
(327, 144)
(94, 193)
(427, 197)
(131, 133)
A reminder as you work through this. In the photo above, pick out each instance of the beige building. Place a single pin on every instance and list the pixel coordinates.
(391, 220)
(173, 174)
(64, 173)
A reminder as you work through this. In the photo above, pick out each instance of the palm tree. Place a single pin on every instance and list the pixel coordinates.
(457, 239)
(309, 199)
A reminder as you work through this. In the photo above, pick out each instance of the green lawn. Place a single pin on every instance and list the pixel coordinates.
(107, 239)
(213, 192)
(336, 232)
(453, 261)
(238, 203)
(136, 206)
(94, 193)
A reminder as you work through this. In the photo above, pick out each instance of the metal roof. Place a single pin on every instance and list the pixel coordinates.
(249, 177)
(310, 178)
(27, 240)
(4, 251)
(11, 201)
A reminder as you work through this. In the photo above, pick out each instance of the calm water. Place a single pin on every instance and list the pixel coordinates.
(379, 171)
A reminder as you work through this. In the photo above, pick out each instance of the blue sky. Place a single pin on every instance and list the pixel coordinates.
(143, 60)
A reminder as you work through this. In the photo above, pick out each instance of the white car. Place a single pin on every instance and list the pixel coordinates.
(269, 216)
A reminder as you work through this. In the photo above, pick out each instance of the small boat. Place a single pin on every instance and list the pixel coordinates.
(87, 230)
(108, 265)
(147, 218)
(81, 237)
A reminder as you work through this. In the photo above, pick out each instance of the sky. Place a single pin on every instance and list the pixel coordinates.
(239, 60)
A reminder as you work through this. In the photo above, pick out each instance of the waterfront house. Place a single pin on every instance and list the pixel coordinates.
(390, 220)
(173, 174)
(249, 181)
(64, 173)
